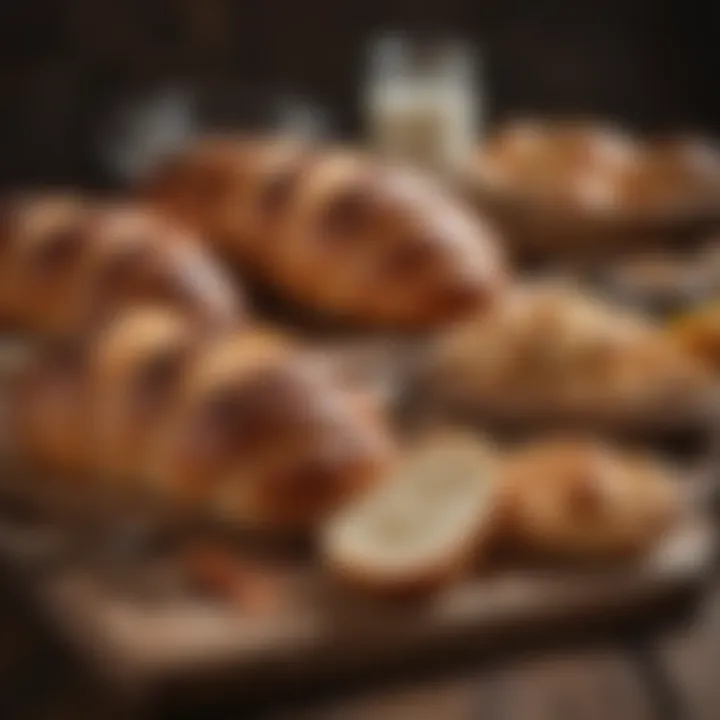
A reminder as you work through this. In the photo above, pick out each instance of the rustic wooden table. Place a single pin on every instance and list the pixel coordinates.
(606, 683)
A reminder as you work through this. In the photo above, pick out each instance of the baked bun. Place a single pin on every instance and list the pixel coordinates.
(596, 171)
(229, 189)
(69, 266)
(136, 368)
(140, 258)
(561, 165)
(263, 436)
(335, 232)
(247, 427)
(687, 172)
(551, 350)
(581, 500)
(427, 522)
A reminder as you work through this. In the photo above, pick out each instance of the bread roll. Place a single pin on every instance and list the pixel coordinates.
(551, 350)
(246, 427)
(264, 437)
(136, 368)
(69, 265)
(43, 247)
(335, 231)
(584, 501)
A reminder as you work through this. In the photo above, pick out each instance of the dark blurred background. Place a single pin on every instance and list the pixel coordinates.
(67, 64)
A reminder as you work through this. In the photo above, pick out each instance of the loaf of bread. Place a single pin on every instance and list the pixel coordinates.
(594, 170)
(245, 424)
(428, 522)
(265, 435)
(564, 165)
(552, 350)
(581, 500)
(69, 265)
(335, 231)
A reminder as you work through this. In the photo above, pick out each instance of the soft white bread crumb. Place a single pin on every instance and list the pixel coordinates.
(422, 525)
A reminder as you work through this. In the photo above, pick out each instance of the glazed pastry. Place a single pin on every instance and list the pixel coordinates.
(335, 232)
(582, 500)
(265, 436)
(68, 265)
(551, 350)
(428, 522)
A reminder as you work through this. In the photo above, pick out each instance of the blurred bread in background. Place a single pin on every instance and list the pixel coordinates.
(553, 349)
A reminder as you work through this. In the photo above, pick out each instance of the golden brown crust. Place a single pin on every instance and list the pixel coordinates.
(246, 427)
(265, 438)
(53, 420)
(136, 368)
(138, 257)
(44, 245)
(68, 264)
(572, 165)
(581, 500)
(553, 351)
(589, 169)
(230, 189)
(337, 232)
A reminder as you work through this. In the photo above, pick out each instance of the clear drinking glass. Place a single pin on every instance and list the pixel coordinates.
(421, 104)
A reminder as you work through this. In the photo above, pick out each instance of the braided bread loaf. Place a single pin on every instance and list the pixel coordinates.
(334, 231)
(67, 265)
(246, 424)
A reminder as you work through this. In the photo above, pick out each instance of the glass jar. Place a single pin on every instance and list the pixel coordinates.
(420, 102)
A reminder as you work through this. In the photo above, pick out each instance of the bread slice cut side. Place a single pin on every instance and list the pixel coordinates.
(420, 527)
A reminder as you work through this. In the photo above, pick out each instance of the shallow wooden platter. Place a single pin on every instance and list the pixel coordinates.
(142, 643)
(122, 604)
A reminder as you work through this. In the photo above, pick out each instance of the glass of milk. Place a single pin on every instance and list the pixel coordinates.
(420, 102)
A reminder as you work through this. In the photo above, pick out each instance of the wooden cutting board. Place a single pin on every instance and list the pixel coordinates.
(146, 634)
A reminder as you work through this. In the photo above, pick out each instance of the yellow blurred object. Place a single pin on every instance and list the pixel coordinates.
(699, 332)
